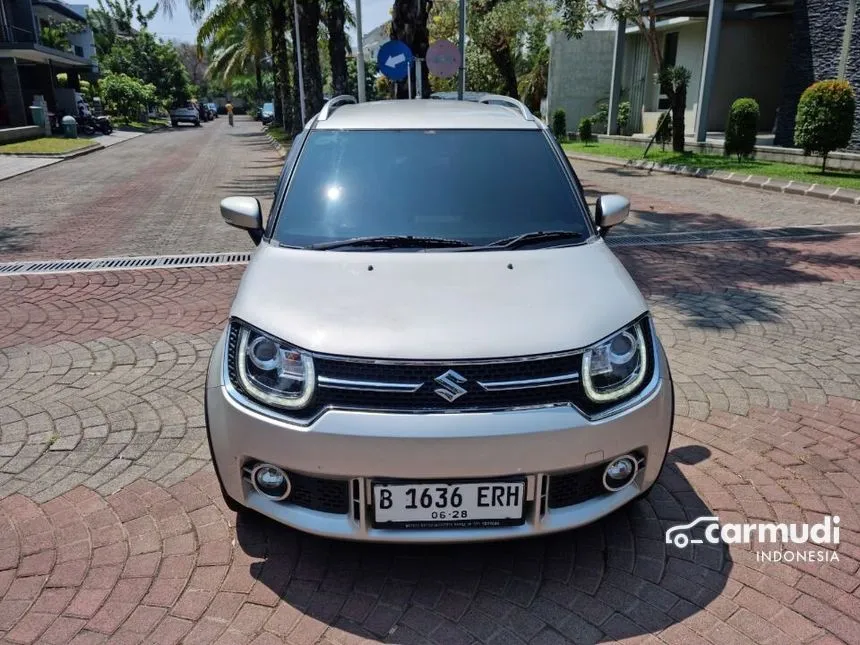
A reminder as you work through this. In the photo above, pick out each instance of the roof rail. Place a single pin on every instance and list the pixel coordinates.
(333, 104)
(508, 101)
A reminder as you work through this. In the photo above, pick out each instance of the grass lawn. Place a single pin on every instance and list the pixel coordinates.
(797, 172)
(140, 125)
(46, 145)
(278, 134)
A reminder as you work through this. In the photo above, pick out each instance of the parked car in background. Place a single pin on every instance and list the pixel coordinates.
(188, 113)
(267, 113)
(213, 110)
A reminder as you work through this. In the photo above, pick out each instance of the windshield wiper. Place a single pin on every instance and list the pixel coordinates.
(516, 241)
(392, 242)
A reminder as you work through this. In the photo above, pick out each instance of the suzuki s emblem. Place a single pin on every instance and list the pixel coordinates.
(450, 389)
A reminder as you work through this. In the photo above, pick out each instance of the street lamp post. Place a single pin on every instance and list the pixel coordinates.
(461, 85)
(299, 56)
(360, 53)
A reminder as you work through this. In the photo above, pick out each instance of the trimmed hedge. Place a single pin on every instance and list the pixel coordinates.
(585, 132)
(825, 118)
(559, 124)
(742, 128)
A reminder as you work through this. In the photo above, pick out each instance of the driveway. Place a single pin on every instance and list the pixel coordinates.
(155, 194)
(111, 525)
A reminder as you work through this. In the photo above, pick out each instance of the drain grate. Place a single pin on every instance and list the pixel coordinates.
(734, 235)
(120, 264)
(215, 259)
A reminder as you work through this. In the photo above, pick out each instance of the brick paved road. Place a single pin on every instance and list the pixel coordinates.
(111, 529)
(156, 194)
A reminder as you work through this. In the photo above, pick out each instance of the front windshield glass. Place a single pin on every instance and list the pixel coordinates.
(477, 186)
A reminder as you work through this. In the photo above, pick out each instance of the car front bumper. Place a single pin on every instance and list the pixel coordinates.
(358, 447)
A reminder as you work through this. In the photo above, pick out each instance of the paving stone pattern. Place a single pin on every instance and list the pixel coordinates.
(112, 529)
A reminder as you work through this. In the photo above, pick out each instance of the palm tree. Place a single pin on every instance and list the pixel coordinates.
(335, 20)
(235, 35)
(409, 24)
(309, 24)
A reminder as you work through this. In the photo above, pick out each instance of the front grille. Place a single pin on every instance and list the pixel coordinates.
(422, 374)
(576, 487)
(318, 494)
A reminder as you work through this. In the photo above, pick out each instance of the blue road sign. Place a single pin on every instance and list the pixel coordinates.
(394, 59)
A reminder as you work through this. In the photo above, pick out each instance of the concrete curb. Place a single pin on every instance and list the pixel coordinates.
(833, 193)
(276, 145)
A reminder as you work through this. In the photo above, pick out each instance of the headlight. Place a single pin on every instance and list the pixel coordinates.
(616, 367)
(274, 372)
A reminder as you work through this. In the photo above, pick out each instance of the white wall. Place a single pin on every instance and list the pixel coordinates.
(580, 74)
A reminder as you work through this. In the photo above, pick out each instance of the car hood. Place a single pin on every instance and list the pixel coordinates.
(438, 305)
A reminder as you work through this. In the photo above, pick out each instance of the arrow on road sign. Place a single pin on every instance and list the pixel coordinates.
(394, 61)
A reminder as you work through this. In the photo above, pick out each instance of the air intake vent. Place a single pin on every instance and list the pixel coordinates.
(122, 264)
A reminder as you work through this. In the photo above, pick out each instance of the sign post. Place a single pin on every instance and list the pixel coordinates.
(394, 61)
(443, 58)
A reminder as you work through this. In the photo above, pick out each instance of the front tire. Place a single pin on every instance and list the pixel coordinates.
(174, 124)
(197, 124)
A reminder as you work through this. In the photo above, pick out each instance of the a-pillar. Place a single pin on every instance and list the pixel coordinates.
(617, 68)
(709, 67)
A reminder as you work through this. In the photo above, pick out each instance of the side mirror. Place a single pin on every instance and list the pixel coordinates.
(246, 213)
(610, 211)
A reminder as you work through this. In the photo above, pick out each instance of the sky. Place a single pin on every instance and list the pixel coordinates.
(180, 27)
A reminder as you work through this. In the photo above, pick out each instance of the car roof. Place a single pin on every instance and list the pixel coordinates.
(425, 114)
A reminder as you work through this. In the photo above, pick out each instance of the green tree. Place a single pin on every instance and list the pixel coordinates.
(153, 61)
(309, 17)
(112, 19)
(235, 38)
(335, 22)
(825, 118)
(125, 95)
(409, 23)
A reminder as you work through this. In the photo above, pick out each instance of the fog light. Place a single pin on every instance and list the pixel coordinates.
(270, 481)
(620, 472)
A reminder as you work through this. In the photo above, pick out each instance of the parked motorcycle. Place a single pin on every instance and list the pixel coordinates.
(92, 124)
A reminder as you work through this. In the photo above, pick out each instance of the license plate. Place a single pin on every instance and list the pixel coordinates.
(447, 505)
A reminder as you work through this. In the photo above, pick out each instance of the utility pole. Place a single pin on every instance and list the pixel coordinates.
(299, 55)
(360, 54)
(461, 85)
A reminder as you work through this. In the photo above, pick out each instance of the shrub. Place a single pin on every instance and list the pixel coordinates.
(623, 116)
(825, 118)
(742, 128)
(585, 133)
(125, 94)
(559, 124)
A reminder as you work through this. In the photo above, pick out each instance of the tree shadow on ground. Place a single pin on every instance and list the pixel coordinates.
(613, 579)
(718, 282)
(251, 185)
(15, 239)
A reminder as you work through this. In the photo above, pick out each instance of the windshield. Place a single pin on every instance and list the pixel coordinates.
(477, 186)
(268, 107)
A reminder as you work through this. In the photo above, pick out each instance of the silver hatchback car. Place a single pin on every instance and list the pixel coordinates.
(432, 342)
